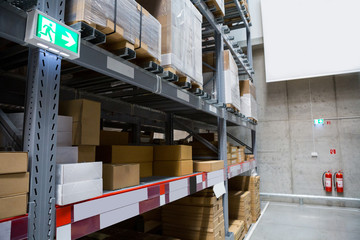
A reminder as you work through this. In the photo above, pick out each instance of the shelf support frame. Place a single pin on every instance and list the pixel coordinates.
(40, 130)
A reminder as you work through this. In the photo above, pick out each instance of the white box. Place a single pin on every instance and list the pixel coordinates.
(64, 139)
(248, 106)
(64, 124)
(79, 191)
(66, 155)
(78, 172)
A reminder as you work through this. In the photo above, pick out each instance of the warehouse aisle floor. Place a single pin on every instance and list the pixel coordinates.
(283, 221)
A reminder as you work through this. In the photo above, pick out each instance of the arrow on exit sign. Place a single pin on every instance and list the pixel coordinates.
(52, 35)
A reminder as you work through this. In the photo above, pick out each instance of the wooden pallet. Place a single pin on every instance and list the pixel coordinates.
(232, 108)
(213, 4)
(184, 81)
(253, 119)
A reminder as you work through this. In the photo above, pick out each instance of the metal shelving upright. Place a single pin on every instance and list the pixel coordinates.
(163, 108)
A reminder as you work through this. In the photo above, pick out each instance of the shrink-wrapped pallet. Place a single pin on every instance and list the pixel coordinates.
(231, 79)
(181, 45)
(133, 23)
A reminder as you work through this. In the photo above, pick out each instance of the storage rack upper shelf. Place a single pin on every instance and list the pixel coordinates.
(173, 98)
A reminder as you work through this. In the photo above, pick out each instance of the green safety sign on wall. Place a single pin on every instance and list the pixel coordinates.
(52, 35)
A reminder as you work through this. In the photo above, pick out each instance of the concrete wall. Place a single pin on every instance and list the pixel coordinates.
(286, 135)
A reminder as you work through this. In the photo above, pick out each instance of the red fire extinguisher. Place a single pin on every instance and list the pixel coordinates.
(339, 181)
(327, 181)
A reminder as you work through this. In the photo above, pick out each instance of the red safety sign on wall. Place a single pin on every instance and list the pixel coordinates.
(328, 122)
(332, 151)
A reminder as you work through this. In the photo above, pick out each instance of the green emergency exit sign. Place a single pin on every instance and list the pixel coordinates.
(45, 32)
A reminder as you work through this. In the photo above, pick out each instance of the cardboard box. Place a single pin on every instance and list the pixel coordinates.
(114, 138)
(236, 227)
(248, 99)
(178, 209)
(13, 162)
(86, 120)
(86, 153)
(117, 176)
(13, 206)
(146, 169)
(66, 155)
(211, 137)
(78, 191)
(189, 222)
(124, 154)
(173, 152)
(78, 172)
(64, 123)
(173, 168)
(202, 201)
(208, 166)
(14, 184)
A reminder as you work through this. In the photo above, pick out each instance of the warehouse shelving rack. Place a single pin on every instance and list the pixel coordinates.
(151, 103)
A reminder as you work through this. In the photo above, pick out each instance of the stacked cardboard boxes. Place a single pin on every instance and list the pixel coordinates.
(175, 160)
(199, 216)
(233, 155)
(252, 184)
(242, 157)
(238, 228)
(121, 154)
(78, 181)
(14, 184)
(135, 27)
(125, 234)
(85, 126)
(248, 99)
(180, 36)
(239, 207)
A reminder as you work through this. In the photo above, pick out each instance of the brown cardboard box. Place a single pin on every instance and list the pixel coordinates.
(146, 169)
(124, 154)
(208, 166)
(236, 227)
(13, 162)
(173, 168)
(86, 120)
(117, 176)
(202, 201)
(114, 138)
(173, 152)
(13, 206)
(232, 162)
(86, 153)
(246, 86)
(13, 184)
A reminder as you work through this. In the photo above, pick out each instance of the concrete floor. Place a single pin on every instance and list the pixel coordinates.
(306, 222)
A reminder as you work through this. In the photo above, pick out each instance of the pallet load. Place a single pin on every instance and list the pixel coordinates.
(125, 234)
(239, 207)
(135, 28)
(249, 157)
(14, 184)
(199, 216)
(252, 184)
(238, 228)
(77, 182)
(85, 126)
(181, 45)
(174, 160)
(231, 79)
(242, 157)
(248, 99)
(233, 155)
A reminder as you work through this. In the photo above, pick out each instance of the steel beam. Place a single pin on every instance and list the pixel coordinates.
(240, 142)
(169, 129)
(40, 130)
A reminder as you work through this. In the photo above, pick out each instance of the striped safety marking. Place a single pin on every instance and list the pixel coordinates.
(14, 228)
(79, 219)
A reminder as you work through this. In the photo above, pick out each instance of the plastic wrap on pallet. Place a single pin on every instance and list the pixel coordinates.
(231, 77)
(248, 99)
(181, 35)
(132, 24)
